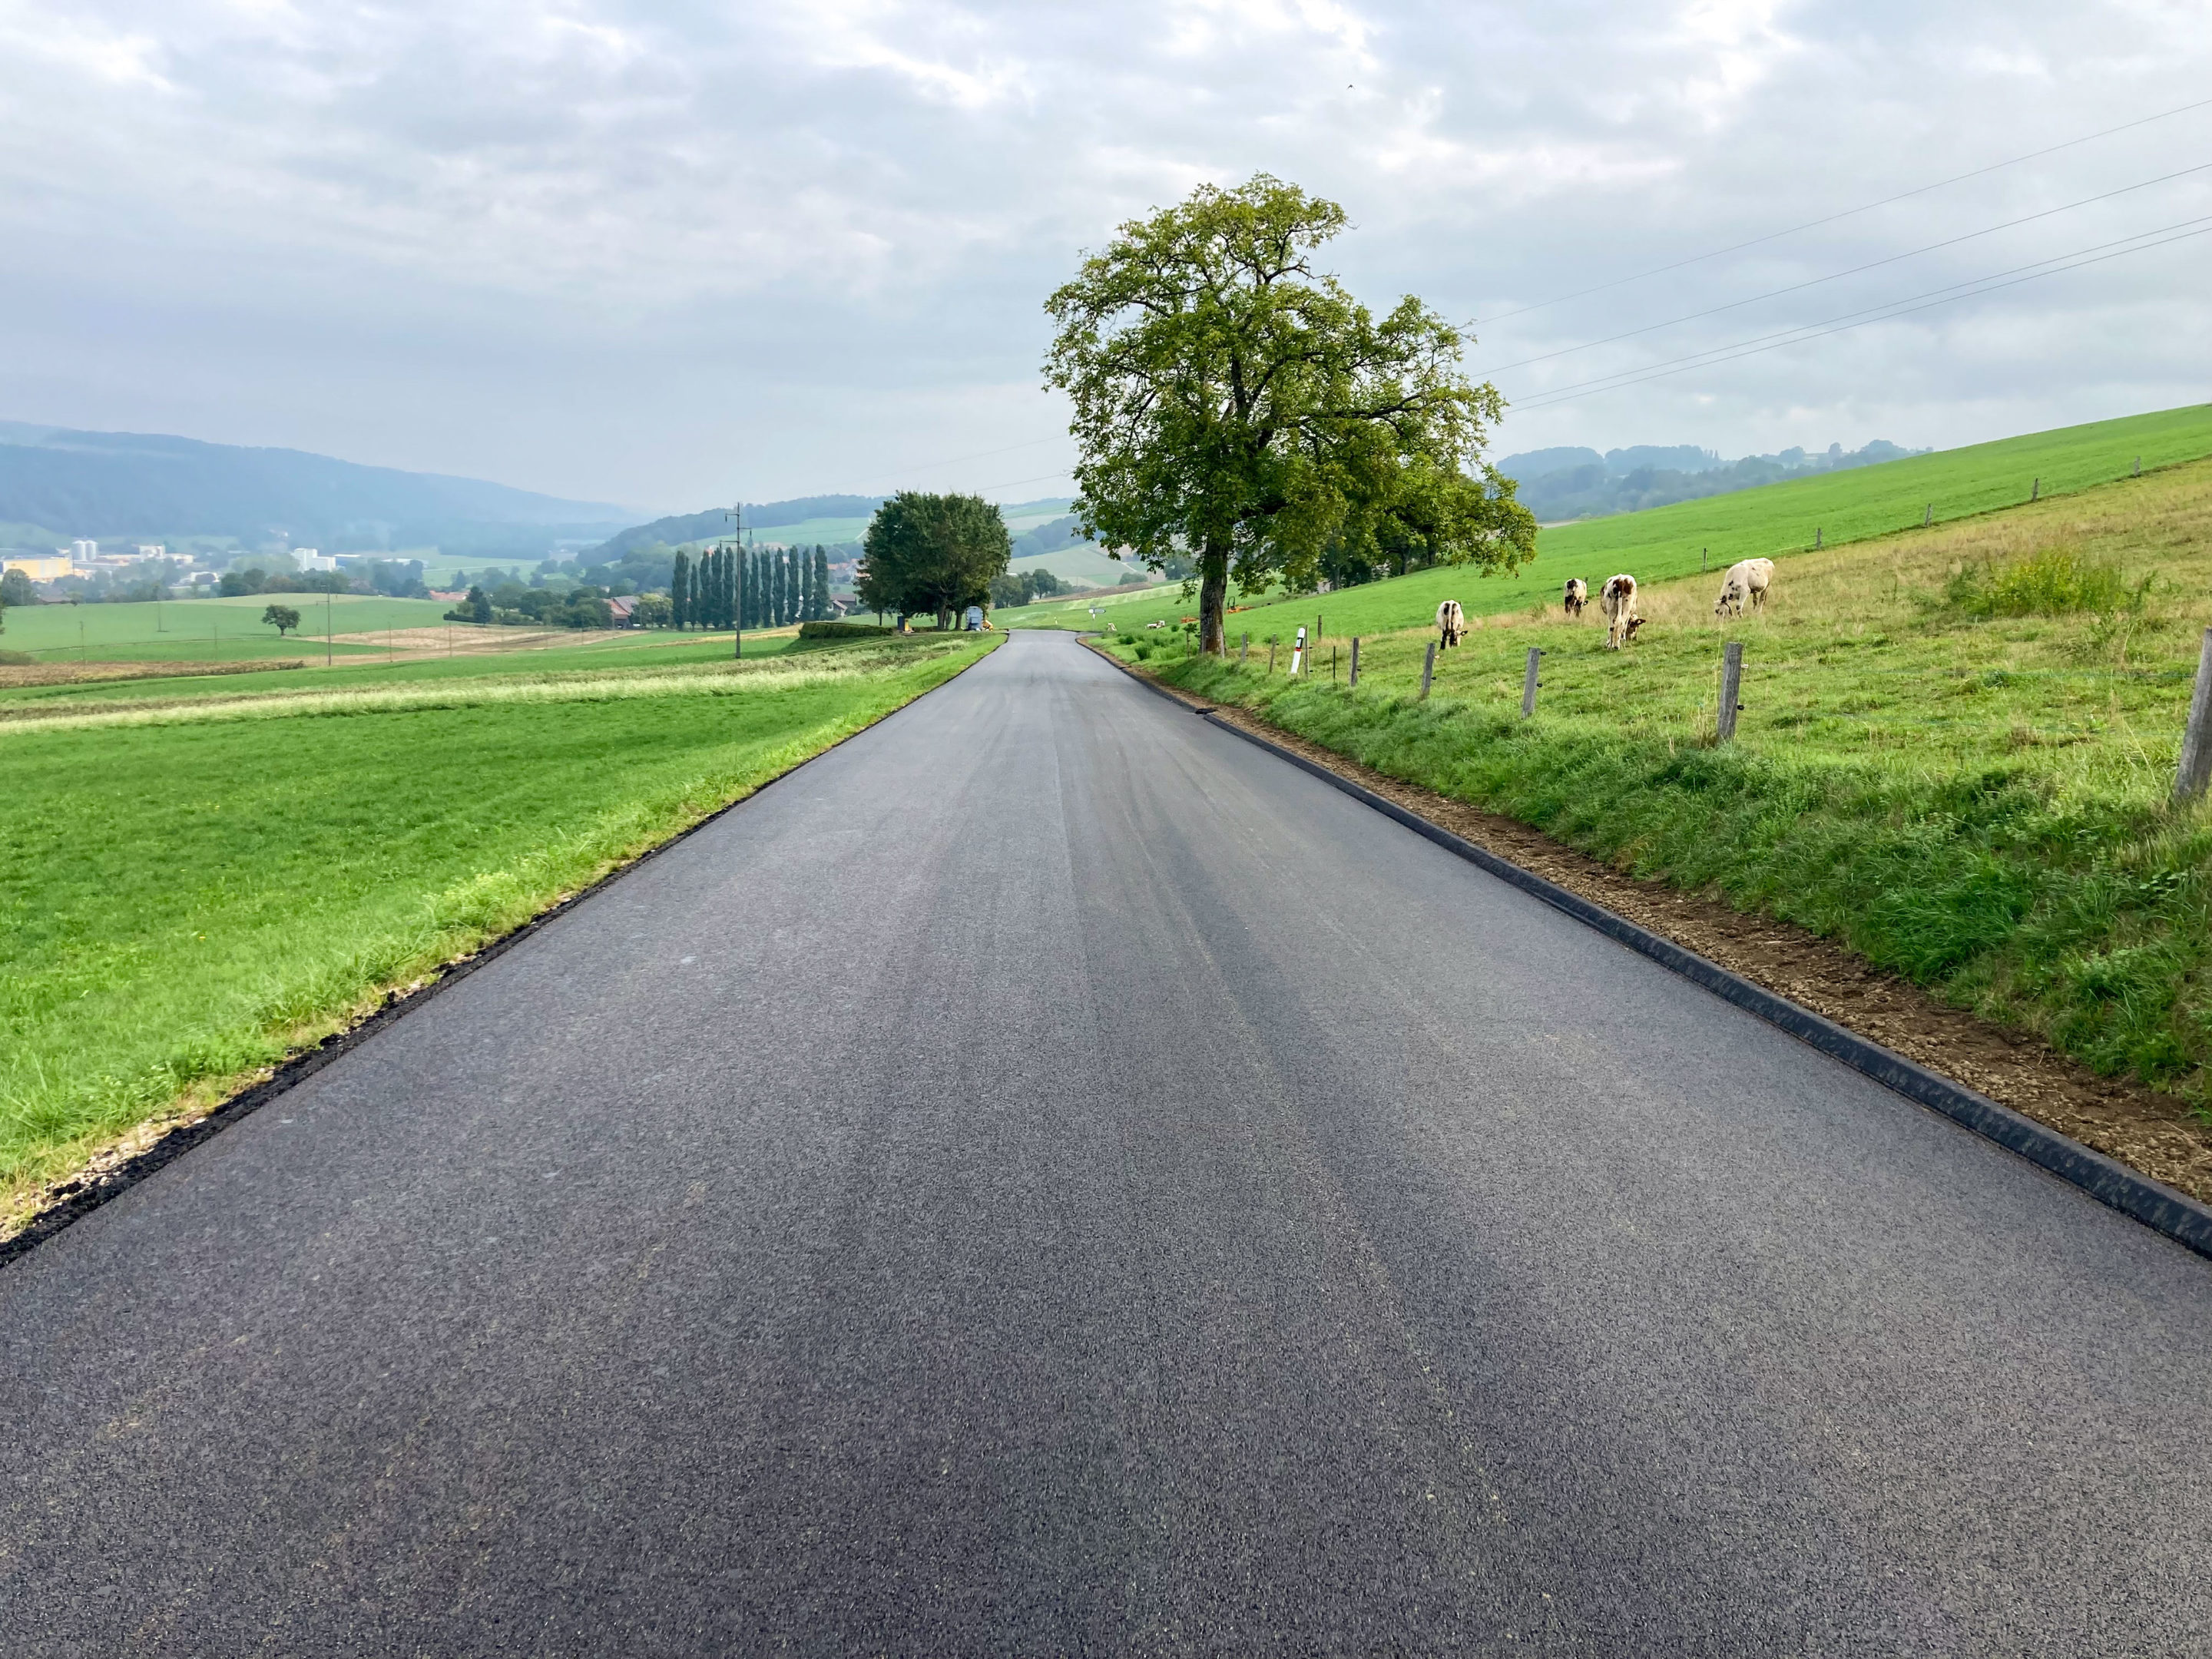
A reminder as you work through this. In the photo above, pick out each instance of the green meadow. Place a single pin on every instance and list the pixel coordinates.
(1954, 751)
(210, 629)
(205, 875)
(1778, 521)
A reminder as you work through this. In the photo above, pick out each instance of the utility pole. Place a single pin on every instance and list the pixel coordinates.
(737, 555)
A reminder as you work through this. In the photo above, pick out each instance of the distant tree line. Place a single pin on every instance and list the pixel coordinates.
(397, 579)
(514, 606)
(751, 587)
(1009, 588)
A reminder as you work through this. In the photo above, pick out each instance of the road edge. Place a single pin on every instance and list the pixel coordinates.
(174, 1143)
(2134, 1195)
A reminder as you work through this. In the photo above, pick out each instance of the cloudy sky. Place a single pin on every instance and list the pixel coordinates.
(669, 253)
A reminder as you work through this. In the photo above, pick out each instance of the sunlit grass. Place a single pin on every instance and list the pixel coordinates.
(194, 891)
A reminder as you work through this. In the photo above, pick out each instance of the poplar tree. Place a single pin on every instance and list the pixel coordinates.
(821, 582)
(729, 587)
(802, 583)
(679, 589)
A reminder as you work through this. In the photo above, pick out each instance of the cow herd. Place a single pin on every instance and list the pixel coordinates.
(1744, 584)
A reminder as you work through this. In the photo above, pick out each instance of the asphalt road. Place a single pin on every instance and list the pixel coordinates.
(1051, 1177)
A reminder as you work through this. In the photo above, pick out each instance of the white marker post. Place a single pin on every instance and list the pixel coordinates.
(1297, 651)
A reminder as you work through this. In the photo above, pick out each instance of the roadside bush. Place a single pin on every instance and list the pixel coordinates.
(2053, 581)
(839, 630)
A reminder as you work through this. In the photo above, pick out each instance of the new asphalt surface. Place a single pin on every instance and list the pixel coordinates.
(1047, 1177)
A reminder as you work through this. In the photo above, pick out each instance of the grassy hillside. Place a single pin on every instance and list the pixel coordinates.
(1954, 755)
(1777, 522)
(1079, 562)
(147, 486)
(200, 881)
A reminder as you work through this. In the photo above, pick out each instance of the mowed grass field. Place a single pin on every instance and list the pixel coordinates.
(205, 875)
(532, 653)
(210, 629)
(1778, 521)
(1955, 754)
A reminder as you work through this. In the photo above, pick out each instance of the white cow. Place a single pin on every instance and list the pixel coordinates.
(1577, 595)
(1618, 601)
(1451, 622)
(1746, 579)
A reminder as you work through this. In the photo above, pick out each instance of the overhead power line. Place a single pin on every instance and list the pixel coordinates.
(1868, 207)
(1849, 321)
(1837, 277)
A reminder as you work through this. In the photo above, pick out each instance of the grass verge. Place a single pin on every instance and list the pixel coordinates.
(201, 884)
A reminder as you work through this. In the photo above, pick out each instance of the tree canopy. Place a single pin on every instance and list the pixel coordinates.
(932, 555)
(1234, 406)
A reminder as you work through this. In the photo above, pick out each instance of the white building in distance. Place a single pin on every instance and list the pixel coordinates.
(83, 549)
(308, 558)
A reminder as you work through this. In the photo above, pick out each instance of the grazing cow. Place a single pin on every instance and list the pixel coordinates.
(1451, 622)
(1577, 595)
(1747, 578)
(1618, 601)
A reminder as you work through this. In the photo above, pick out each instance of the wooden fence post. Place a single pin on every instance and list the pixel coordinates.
(1332, 665)
(1816, 539)
(1528, 685)
(1731, 684)
(2195, 767)
(1353, 682)
(2139, 466)
(1929, 517)
(2035, 490)
(1271, 656)
(1428, 669)
(1243, 652)
(1701, 559)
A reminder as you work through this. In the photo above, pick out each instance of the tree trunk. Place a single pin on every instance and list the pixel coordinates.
(1212, 600)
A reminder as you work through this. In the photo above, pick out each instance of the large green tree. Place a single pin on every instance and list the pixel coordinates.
(1235, 407)
(933, 553)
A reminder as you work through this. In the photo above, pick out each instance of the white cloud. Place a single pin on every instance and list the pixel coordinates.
(660, 249)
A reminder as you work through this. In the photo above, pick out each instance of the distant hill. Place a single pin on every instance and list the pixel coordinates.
(133, 485)
(681, 527)
(1039, 526)
(1570, 483)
